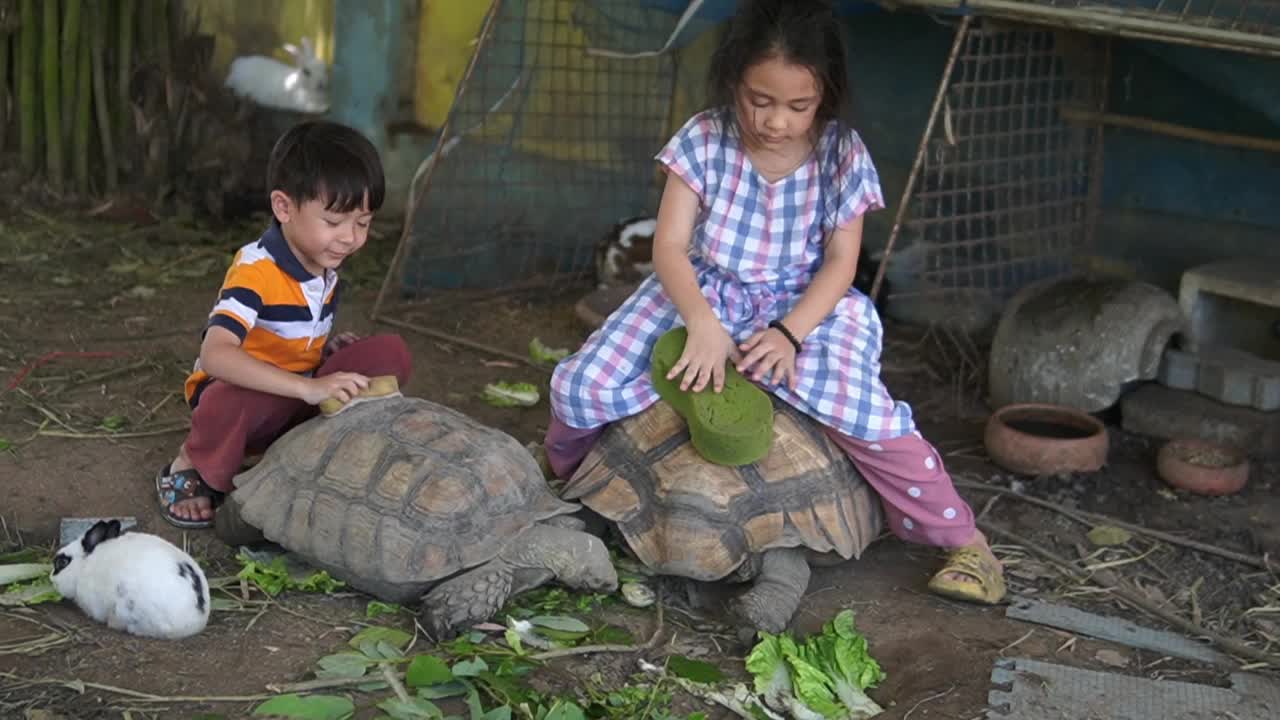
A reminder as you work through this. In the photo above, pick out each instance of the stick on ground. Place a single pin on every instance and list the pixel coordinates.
(1090, 518)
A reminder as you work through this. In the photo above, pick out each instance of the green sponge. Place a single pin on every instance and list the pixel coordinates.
(731, 427)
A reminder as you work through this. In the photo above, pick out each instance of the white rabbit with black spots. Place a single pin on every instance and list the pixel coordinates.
(271, 83)
(135, 582)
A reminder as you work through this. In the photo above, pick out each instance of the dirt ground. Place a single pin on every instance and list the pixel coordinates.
(86, 431)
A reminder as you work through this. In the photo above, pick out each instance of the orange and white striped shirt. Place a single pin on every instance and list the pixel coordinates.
(281, 312)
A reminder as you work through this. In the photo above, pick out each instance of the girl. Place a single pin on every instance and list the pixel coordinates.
(757, 241)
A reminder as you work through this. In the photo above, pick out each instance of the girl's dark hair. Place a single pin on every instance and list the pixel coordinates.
(327, 161)
(800, 32)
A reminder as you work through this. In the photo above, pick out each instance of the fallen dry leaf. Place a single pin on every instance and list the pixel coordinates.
(1109, 535)
(1112, 658)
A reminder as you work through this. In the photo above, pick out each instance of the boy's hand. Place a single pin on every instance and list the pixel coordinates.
(705, 351)
(341, 386)
(769, 351)
(337, 342)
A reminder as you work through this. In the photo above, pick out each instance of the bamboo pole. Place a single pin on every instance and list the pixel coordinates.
(164, 27)
(49, 89)
(69, 63)
(101, 98)
(4, 89)
(124, 69)
(957, 45)
(146, 30)
(1213, 137)
(84, 109)
(27, 67)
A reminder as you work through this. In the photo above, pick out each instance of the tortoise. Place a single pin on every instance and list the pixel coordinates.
(404, 498)
(766, 522)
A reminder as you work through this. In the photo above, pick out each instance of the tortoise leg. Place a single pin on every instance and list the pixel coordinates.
(775, 595)
(231, 528)
(472, 597)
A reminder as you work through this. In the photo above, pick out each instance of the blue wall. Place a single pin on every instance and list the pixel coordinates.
(1208, 89)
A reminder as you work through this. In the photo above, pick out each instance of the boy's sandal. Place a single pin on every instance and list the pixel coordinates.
(988, 582)
(173, 488)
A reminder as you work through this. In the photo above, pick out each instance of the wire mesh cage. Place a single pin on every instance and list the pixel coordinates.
(1005, 191)
(549, 144)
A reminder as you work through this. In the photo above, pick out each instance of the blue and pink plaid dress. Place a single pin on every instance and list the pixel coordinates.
(756, 247)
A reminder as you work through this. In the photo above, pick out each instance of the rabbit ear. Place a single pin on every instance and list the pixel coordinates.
(291, 49)
(307, 48)
(100, 532)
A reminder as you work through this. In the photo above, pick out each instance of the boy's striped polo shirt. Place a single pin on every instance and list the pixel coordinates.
(282, 314)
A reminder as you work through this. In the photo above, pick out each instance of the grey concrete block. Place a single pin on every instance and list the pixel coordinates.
(1231, 302)
(74, 528)
(1114, 629)
(1026, 689)
(1228, 375)
(1179, 369)
(1162, 412)
(1237, 377)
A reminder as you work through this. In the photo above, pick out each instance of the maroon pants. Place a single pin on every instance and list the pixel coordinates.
(230, 421)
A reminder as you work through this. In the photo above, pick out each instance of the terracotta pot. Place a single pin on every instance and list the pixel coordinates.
(1202, 467)
(1037, 439)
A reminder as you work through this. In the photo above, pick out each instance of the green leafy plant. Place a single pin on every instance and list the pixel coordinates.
(540, 353)
(484, 678)
(377, 607)
(307, 707)
(274, 578)
(507, 394)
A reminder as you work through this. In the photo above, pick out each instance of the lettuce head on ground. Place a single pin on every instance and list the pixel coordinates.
(824, 678)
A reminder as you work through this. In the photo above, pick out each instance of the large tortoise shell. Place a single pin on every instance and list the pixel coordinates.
(682, 515)
(395, 491)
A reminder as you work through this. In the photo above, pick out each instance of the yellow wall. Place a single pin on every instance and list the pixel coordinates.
(446, 33)
(242, 27)
(446, 40)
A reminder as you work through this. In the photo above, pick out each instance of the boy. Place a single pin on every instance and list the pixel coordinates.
(267, 357)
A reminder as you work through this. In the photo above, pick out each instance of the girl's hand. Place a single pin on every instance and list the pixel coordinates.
(705, 351)
(769, 352)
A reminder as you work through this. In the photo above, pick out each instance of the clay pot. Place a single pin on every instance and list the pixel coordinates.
(1037, 439)
(1202, 467)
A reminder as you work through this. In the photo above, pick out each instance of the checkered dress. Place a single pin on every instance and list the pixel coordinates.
(757, 246)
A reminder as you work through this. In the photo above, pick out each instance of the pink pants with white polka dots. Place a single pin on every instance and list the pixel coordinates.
(920, 503)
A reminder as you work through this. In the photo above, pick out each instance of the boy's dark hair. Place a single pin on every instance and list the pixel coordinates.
(801, 32)
(327, 161)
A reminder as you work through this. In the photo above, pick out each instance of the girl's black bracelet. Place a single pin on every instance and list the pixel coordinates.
(777, 325)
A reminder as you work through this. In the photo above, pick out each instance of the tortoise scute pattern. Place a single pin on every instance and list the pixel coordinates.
(396, 495)
(684, 516)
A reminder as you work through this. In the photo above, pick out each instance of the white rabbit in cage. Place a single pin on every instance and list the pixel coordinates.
(303, 87)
